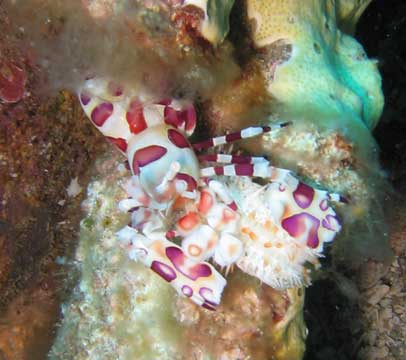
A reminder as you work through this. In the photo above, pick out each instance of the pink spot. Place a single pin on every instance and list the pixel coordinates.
(302, 223)
(303, 195)
(179, 260)
(135, 117)
(170, 234)
(84, 99)
(171, 117)
(177, 139)
(148, 154)
(282, 188)
(119, 142)
(189, 117)
(191, 182)
(12, 82)
(187, 290)
(101, 113)
(163, 270)
(323, 205)
(233, 206)
(135, 167)
(206, 202)
(331, 223)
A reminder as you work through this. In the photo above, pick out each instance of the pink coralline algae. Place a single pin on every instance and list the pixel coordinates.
(12, 82)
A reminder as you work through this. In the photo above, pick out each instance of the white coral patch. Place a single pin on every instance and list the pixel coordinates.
(74, 189)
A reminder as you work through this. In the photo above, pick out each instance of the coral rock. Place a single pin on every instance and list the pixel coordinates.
(313, 68)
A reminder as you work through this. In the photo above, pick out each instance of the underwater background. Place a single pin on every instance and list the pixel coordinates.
(49, 153)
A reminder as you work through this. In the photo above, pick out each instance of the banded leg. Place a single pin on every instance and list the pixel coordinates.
(199, 281)
(235, 136)
(262, 170)
(231, 159)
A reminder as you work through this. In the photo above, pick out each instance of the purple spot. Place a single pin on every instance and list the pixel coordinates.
(190, 180)
(84, 99)
(219, 170)
(148, 154)
(165, 101)
(171, 117)
(299, 224)
(119, 142)
(180, 261)
(233, 206)
(177, 139)
(323, 205)
(282, 188)
(233, 136)
(303, 195)
(207, 295)
(101, 113)
(187, 290)
(163, 270)
(244, 169)
(331, 223)
(208, 307)
(189, 117)
(135, 167)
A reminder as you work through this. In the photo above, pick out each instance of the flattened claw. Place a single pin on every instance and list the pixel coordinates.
(199, 281)
(304, 213)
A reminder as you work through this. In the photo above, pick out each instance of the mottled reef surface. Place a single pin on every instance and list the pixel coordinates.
(45, 143)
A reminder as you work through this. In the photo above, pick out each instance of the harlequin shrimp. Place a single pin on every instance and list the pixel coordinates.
(172, 197)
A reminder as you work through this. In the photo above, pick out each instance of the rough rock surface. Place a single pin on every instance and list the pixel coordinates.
(44, 144)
